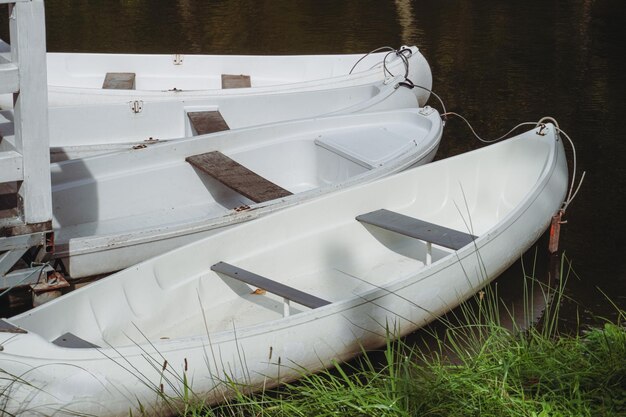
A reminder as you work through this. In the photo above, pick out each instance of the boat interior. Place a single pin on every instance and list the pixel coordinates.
(199, 72)
(329, 250)
(114, 126)
(208, 177)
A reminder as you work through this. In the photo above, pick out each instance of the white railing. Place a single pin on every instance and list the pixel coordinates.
(27, 157)
(25, 148)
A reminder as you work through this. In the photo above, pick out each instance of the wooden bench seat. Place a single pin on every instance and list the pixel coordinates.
(205, 122)
(235, 81)
(237, 177)
(119, 81)
(269, 285)
(418, 229)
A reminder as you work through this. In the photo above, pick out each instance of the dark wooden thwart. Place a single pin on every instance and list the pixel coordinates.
(267, 284)
(70, 340)
(237, 177)
(205, 122)
(418, 229)
(235, 81)
(119, 81)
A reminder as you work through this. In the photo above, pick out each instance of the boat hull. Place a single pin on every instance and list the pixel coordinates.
(112, 381)
(113, 211)
(109, 127)
(77, 78)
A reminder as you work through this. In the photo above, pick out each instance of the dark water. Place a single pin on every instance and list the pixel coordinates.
(496, 62)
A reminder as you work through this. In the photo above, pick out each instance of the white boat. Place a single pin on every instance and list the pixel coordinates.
(349, 264)
(83, 78)
(114, 210)
(78, 131)
(105, 127)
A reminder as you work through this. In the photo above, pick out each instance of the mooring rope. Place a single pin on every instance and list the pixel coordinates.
(20, 282)
(573, 188)
(401, 53)
(572, 191)
(382, 48)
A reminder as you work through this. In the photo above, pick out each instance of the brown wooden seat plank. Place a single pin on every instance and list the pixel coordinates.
(235, 81)
(237, 177)
(119, 81)
(205, 122)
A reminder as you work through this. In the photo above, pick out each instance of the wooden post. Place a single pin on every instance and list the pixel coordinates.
(28, 52)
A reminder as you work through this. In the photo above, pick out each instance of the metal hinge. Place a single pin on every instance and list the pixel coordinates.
(178, 59)
(136, 106)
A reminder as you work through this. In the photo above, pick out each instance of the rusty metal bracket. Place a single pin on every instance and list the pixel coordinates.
(555, 231)
(53, 281)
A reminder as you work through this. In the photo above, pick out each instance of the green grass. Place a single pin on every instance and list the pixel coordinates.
(510, 375)
(476, 368)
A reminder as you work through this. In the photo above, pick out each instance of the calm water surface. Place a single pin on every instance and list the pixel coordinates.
(498, 63)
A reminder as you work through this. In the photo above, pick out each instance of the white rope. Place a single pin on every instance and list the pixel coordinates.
(401, 53)
(451, 113)
(20, 282)
(572, 191)
(382, 48)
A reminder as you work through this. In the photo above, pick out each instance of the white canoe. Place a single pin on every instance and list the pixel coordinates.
(79, 78)
(105, 127)
(178, 310)
(114, 210)
(83, 130)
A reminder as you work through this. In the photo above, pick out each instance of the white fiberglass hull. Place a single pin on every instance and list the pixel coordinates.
(77, 78)
(83, 130)
(114, 210)
(174, 319)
